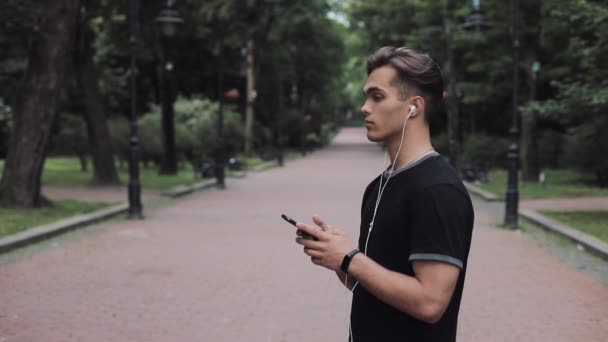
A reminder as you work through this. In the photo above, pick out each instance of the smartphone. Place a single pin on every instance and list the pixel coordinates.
(293, 222)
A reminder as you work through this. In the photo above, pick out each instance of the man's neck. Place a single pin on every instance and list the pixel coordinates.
(410, 151)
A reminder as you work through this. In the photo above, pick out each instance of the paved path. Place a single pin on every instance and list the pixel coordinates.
(222, 266)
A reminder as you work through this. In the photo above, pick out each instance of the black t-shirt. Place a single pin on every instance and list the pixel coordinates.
(425, 213)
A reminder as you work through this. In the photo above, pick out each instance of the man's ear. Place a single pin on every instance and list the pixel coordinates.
(418, 103)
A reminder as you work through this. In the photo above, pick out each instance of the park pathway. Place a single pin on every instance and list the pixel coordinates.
(222, 266)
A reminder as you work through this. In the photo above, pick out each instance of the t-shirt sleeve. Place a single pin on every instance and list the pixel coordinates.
(441, 225)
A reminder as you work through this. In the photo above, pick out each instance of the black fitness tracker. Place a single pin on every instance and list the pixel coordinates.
(347, 259)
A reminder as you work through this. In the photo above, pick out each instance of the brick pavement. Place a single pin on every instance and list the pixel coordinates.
(222, 266)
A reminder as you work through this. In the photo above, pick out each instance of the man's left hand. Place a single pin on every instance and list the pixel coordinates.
(331, 246)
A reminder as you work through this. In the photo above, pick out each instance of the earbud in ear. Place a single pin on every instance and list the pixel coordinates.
(412, 109)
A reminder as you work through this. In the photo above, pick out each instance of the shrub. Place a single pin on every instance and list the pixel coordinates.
(585, 148)
(550, 146)
(485, 151)
(71, 139)
(120, 133)
(196, 122)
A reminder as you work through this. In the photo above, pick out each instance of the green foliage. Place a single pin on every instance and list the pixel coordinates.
(576, 77)
(486, 151)
(72, 136)
(196, 131)
(6, 120)
(586, 146)
(150, 136)
(550, 149)
(196, 122)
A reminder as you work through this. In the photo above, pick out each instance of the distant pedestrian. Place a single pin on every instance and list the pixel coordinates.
(407, 272)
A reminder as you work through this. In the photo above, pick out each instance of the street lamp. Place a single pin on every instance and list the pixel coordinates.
(135, 206)
(168, 19)
(477, 22)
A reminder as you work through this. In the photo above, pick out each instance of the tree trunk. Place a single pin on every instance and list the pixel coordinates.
(452, 104)
(249, 115)
(37, 103)
(104, 169)
(529, 134)
(83, 162)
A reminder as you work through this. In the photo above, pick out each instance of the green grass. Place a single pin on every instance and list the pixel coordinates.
(594, 223)
(67, 172)
(558, 183)
(152, 180)
(252, 162)
(16, 220)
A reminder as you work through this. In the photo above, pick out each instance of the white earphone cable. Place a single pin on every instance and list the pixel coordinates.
(380, 192)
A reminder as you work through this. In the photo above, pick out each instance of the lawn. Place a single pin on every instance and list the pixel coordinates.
(558, 183)
(594, 223)
(67, 172)
(16, 220)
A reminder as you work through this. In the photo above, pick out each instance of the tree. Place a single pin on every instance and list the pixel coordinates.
(37, 103)
(104, 169)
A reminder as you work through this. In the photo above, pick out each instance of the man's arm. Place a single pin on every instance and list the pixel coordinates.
(425, 296)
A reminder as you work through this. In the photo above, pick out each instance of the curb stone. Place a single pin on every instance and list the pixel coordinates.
(49, 230)
(488, 196)
(182, 190)
(589, 242)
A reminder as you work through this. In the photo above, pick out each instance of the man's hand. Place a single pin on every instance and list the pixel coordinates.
(331, 246)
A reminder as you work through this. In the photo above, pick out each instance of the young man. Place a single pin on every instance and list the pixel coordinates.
(407, 274)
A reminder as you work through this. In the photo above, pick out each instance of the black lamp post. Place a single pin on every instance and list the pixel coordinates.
(279, 113)
(477, 22)
(220, 152)
(513, 155)
(135, 207)
(168, 19)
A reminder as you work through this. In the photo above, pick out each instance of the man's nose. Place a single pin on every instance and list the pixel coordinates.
(365, 109)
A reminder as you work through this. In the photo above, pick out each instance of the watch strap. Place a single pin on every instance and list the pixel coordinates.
(347, 259)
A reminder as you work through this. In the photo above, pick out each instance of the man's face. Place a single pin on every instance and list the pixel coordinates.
(384, 109)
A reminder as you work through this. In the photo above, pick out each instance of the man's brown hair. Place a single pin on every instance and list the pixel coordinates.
(417, 74)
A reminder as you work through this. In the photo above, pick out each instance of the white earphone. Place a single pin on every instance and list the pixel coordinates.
(412, 110)
(381, 188)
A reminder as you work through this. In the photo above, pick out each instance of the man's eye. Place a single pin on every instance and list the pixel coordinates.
(377, 97)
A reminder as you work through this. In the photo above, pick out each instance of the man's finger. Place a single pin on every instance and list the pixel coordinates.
(312, 252)
(321, 223)
(304, 235)
(308, 243)
(311, 230)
